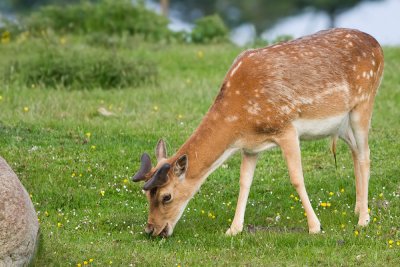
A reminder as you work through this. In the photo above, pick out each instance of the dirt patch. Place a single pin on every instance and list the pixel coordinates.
(273, 229)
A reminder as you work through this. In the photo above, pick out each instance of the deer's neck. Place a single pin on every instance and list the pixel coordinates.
(208, 147)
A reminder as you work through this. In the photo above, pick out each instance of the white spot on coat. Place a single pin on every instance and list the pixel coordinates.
(231, 118)
(285, 109)
(253, 107)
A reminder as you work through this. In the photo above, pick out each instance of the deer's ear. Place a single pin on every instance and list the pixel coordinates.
(161, 150)
(181, 165)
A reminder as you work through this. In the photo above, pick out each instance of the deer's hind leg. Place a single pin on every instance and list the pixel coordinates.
(360, 121)
(347, 135)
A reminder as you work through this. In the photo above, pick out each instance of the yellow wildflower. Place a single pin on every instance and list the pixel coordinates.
(102, 193)
(91, 260)
(46, 213)
(73, 174)
(155, 108)
(126, 181)
(1, 98)
(63, 40)
(85, 263)
(342, 225)
(110, 262)
(59, 224)
(398, 243)
(88, 134)
(323, 204)
(328, 204)
(381, 195)
(78, 265)
(200, 54)
(356, 233)
(26, 109)
(331, 193)
(342, 190)
(291, 196)
(390, 242)
(93, 147)
(5, 37)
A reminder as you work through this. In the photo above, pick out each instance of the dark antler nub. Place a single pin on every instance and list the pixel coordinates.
(145, 167)
(159, 178)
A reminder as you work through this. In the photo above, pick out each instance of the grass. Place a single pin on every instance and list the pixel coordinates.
(76, 164)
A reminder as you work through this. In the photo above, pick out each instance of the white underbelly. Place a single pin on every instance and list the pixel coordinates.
(319, 128)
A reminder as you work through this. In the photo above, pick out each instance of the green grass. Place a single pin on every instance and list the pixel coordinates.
(66, 170)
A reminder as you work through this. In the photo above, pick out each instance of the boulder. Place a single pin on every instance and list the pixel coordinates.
(19, 225)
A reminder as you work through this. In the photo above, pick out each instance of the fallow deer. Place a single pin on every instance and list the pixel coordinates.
(322, 85)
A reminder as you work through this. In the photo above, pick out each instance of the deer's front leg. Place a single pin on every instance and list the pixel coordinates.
(246, 177)
(290, 146)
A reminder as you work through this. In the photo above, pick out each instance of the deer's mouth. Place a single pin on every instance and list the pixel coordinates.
(164, 232)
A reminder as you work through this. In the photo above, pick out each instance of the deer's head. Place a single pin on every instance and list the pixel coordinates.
(166, 188)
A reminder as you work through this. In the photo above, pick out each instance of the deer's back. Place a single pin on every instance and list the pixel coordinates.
(317, 76)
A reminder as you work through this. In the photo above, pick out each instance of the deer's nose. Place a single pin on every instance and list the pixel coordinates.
(149, 228)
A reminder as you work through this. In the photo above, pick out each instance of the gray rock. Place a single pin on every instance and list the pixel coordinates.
(19, 225)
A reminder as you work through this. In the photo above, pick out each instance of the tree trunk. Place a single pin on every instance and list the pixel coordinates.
(332, 19)
(165, 7)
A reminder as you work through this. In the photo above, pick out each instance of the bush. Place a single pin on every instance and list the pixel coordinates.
(209, 29)
(78, 69)
(282, 38)
(111, 17)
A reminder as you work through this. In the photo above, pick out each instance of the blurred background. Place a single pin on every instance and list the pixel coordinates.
(252, 19)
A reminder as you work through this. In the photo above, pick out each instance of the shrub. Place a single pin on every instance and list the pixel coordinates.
(282, 38)
(77, 69)
(111, 17)
(209, 29)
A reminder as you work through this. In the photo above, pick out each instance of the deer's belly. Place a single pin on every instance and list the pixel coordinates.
(319, 128)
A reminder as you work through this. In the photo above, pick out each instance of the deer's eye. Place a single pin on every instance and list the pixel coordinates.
(166, 198)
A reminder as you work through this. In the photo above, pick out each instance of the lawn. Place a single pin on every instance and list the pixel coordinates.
(77, 164)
